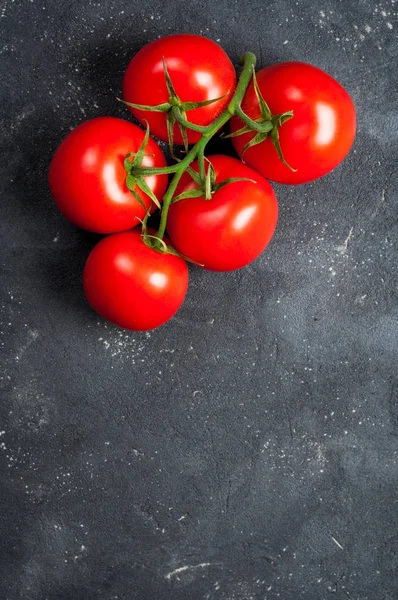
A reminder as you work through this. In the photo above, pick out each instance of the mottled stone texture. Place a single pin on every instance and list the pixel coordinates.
(247, 450)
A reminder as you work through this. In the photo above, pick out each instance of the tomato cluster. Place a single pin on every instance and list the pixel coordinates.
(290, 123)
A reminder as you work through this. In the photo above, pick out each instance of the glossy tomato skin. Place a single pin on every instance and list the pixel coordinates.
(234, 227)
(87, 176)
(199, 69)
(319, 135)
(132, 285)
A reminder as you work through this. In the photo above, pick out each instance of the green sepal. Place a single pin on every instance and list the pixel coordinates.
(138, 156)
(139, 199)
(181, 120)
(257, 139)
(193, 193)
(220, 185)
(152, 241)
(264, 108)
(177, 113)
(210, 180)
(173, 251)
(269, 124)
(128, 164)
(144, 221)
(144, 187)
(212, 174)
(198, 192)
(195, 175)
(170, 120)
(241, 131)
(164, 107)
(259, 126)
(281, 119)
(181, 127)
(159, 245)
(193, 105)
(131, 181)
(275, 142)
(169, 83)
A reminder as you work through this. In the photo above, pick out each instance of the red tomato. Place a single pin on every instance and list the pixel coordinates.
(230, 230)
(319, 135)
(87, 176)
(132, 285)
(199, 70)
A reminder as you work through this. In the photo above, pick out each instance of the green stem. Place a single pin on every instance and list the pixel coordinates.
(188, 125)
(146, 172)
(249, 61)
(254, 125)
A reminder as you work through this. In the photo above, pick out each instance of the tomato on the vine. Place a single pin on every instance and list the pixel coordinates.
(319, 135)
(133, 285)
(87, 178)
(199, 69)
(232, 228)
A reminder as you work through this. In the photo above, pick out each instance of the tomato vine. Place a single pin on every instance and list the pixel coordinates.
(216, 211)
(266, 125)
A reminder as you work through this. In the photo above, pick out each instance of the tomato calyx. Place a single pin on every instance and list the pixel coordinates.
(158, 244)
(265, 126)
(176, 110)
(206, 183)
(133, 160)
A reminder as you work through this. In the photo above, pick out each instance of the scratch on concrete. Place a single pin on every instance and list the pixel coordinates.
(343, 248)
(188, 568)
(337, 543)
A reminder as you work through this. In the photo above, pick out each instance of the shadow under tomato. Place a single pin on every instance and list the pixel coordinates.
(50, 251)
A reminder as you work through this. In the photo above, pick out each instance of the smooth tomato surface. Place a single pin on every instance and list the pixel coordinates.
(319, 135)
(230, 230)
(199, 69)
(132, 285)
(87, 176)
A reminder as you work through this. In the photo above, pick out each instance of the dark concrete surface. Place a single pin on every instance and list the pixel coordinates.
(247, 450)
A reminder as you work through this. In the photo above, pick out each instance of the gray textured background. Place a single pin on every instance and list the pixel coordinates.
(247, 450)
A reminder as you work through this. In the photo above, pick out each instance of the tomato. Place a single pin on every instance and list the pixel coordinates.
(319, 135)
(132, 285)
(87, 176)
(199, 70)
(230, 230)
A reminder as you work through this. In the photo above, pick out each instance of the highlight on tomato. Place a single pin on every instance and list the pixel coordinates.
(199, 72)
(317, 137)
(88, 180)
(233, 227)
(131, 284)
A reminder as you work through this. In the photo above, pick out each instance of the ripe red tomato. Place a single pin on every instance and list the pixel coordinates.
(87, 176)
(319, 135)
(132, 285)
(199, 70)
(230, 230)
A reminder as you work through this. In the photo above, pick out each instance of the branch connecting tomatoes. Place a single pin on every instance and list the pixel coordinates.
(290, 123)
